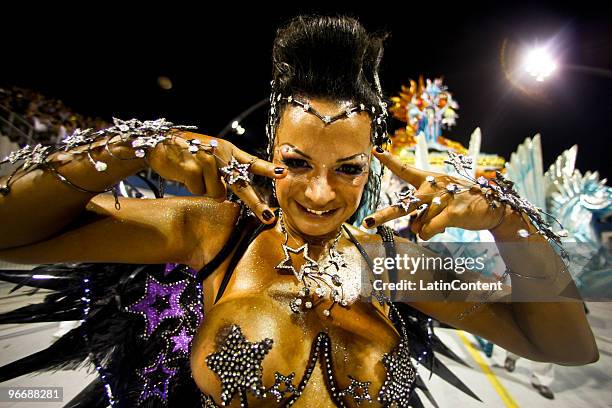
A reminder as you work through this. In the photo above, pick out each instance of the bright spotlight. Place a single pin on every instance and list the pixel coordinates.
(539, 64)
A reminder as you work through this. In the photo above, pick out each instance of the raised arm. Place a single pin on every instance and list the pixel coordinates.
(48, 220)
(544, 318)
(39, 205)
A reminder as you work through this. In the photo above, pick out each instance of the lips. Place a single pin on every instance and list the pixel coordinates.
(316, 213)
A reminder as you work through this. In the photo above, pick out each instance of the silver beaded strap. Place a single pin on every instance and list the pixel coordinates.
(143, 136)
(499, 191)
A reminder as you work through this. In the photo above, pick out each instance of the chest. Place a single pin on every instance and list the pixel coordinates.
(352, 339)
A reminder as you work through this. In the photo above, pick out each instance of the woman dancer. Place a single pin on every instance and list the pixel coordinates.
(285, 319)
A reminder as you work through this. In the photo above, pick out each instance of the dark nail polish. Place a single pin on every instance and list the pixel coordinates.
(370, 222)
(267, 215)
(380, 149)
(279, 170)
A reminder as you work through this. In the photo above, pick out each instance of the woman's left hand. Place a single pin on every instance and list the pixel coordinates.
(467, 209)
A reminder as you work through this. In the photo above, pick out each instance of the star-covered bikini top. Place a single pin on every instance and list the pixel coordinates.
(238, 362)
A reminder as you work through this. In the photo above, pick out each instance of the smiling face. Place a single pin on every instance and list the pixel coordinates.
(328, 166)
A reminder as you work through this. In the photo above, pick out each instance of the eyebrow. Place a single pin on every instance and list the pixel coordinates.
(298, 151)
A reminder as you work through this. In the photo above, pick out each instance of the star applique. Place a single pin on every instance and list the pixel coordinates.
(181, 341)
(156, 379)
(287, 263)
(238, 365)
(405, 199)
(158, 303)
(400, 377)
(236, 172)
(282, 381)
(78, 138)
(359, 390)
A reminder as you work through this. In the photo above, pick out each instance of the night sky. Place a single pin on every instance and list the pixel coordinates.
(106, 63)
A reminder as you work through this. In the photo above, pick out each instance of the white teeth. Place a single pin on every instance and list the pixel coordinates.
(316, 212)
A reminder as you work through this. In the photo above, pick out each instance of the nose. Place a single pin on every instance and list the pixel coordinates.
(319, 192)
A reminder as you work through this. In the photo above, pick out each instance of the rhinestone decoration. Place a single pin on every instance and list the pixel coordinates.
(404, 199)
(314, 276)
(501, 190)
(359, 390)
(207, 401)
(379, 116)
(235, 172)
(400, 378)
(286, 382)
(156, 379)
(482, 181)
(30, 156)
(158, 303)
(309, 265)
(523, 233)
(148, 142)
(238, 365)
(452, 188)
(182, 341)
(194, 145)
(77, 138)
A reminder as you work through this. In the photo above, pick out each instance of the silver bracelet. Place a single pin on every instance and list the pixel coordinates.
(142, 135)
(501, 191)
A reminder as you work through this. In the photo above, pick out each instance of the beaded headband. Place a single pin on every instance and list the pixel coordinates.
(379, 117)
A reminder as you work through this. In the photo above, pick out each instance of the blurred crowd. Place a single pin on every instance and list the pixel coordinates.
(29, 117)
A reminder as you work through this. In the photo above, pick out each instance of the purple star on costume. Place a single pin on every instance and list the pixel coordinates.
(159, 302)
(182, 341)
(156, 379)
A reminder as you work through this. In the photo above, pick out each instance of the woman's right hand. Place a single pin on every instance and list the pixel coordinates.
(200, 172)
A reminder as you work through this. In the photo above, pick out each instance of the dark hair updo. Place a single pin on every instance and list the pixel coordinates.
(331, 58)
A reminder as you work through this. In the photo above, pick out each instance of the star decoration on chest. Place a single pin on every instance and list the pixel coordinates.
(286, 382)
(158, 303)
(238, 365)
(156, 379)
(401, 376)
(309, 265)
(359, 390)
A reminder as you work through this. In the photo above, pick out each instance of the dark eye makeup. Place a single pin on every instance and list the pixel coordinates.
(351, 169)
(295, 163)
